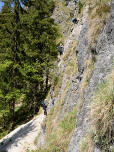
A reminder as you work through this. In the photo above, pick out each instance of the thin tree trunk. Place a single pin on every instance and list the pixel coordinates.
(34, 101)
(47, 82)
(12, 113)
(3, 122)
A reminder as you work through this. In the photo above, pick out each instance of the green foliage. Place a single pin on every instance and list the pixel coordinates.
(80, 4)
(35, 141)
(68, 123)
(27, 51)
(60, 137)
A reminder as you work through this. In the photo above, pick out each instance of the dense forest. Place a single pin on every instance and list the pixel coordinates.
(28, 49)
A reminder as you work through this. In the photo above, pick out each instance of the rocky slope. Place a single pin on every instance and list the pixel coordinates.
(103, 66)
(93, 66)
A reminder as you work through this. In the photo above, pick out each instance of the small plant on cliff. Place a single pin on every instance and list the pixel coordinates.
(80, 4)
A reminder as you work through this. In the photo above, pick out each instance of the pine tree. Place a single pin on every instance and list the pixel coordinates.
(41, 50)
(27, 51)
(11, 58)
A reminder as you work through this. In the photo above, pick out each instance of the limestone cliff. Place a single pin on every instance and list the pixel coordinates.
(86, 63)
(102, 67)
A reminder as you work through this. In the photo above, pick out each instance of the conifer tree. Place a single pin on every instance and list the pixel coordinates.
(27, 51)
(12, 58)
(41, 49)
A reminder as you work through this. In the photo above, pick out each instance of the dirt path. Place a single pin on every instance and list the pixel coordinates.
(22, 138)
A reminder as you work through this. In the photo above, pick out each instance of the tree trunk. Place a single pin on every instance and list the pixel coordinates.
(47, 82)
(3, 122)
(34, 105)
(12, 114)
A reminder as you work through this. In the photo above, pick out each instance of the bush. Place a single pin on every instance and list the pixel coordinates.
(80, 7)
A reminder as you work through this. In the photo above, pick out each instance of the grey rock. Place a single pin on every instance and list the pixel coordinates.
(97, 150)
(41, 137)
(103, 66)
(72, 3)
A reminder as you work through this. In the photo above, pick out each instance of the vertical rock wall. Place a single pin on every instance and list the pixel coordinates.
(103, 66)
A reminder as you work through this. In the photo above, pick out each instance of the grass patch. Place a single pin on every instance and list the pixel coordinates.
(51, 120)
(88, 66)
(80, 5)
(72, 68)
(102, 116)
(71, 52)
(87, 143)
(103, 9)
(58, 83)
(102, 113)
(59, 139)
(70, 60)
(36, 140)
(99, 13)
(65, 58)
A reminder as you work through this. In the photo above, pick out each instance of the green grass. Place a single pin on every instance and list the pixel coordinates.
(35, 141)
(80, 5)
(68, 124)
(59, 138)
(102, 116)
(103, 9)
(99, 12)
(57, 81)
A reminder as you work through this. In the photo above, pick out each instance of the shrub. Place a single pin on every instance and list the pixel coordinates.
(80, 6)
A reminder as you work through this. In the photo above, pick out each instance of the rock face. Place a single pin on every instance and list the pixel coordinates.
(63, 14)
(78, 93)
(72, 3)
(102, 67)
(72, 96)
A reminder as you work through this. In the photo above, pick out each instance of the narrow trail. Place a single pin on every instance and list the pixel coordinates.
(22, 138)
